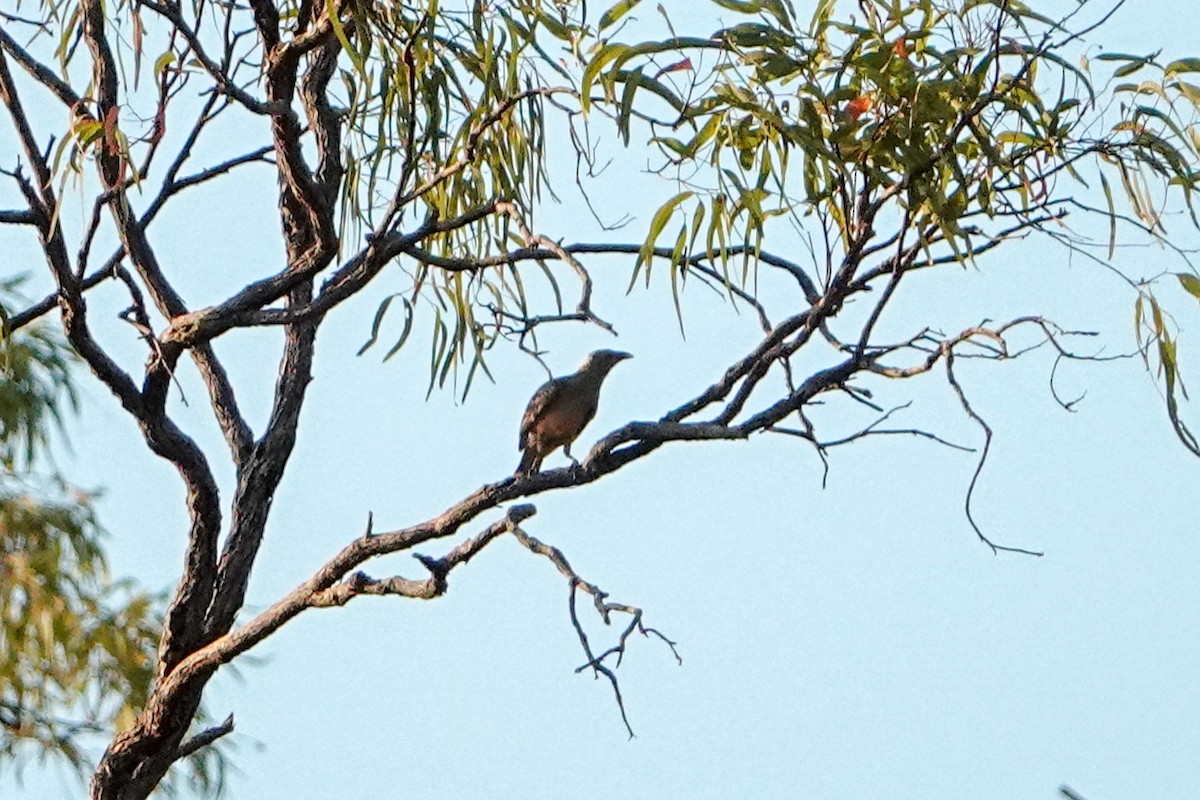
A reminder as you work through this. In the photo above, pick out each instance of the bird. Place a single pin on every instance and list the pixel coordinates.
(560, 410)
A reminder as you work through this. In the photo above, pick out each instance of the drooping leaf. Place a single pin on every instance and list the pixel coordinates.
(615, 12)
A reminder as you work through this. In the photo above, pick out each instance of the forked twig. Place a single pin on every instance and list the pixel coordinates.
(605, 609)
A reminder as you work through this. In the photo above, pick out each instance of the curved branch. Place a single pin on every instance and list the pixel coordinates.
(987, 444)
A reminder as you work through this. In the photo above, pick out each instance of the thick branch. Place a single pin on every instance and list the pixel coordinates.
(260, 475)
(183, 626)
(246, 307)
(18, 217)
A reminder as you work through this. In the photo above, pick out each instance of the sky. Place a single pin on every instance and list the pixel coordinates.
(848, 641)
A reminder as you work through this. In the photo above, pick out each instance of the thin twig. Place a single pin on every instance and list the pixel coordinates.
(987, 443)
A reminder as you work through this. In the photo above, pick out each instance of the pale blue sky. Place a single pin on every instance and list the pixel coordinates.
(855, 641)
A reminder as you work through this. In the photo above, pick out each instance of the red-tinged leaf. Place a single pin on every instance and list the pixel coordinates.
(679, 66)
(859, 106)
(900, 48)
(139, 33)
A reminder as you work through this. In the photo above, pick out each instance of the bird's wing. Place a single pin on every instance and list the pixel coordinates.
(542, 399)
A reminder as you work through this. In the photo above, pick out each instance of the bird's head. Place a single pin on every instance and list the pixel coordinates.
(602, 361)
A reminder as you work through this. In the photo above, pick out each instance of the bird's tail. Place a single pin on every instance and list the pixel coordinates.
(529, 462)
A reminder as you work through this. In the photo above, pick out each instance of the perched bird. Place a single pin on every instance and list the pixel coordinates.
(560, 410)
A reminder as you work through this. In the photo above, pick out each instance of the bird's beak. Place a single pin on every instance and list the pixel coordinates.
(621, 356)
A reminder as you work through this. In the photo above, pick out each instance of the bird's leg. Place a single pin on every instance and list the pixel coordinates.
(567, 453)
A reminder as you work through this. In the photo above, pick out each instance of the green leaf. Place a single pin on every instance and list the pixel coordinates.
(1138, 314)
(339, 30)
(1015, 137)
(742, 6)
(625, 111)
(476, 363)
(1121, 57)
(379, 314)
(408, 322)
(1112, 216)
(678, 271)
(697, 221)
(163, 61)
(606, 54)
(1167, 361)
(1190, 283)
(638, 78)
(1189, 90)
(1183, 65)
(780, 11)
(556, 28)
(1128, 69)
(441, 337)
(661, 217)
(609, 17)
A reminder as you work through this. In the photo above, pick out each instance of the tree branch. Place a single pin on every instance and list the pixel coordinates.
(358, 583)
(987, 444)
(40, 72)
(214, 70)
(18, 217)
(605, 609)
(204, 739)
